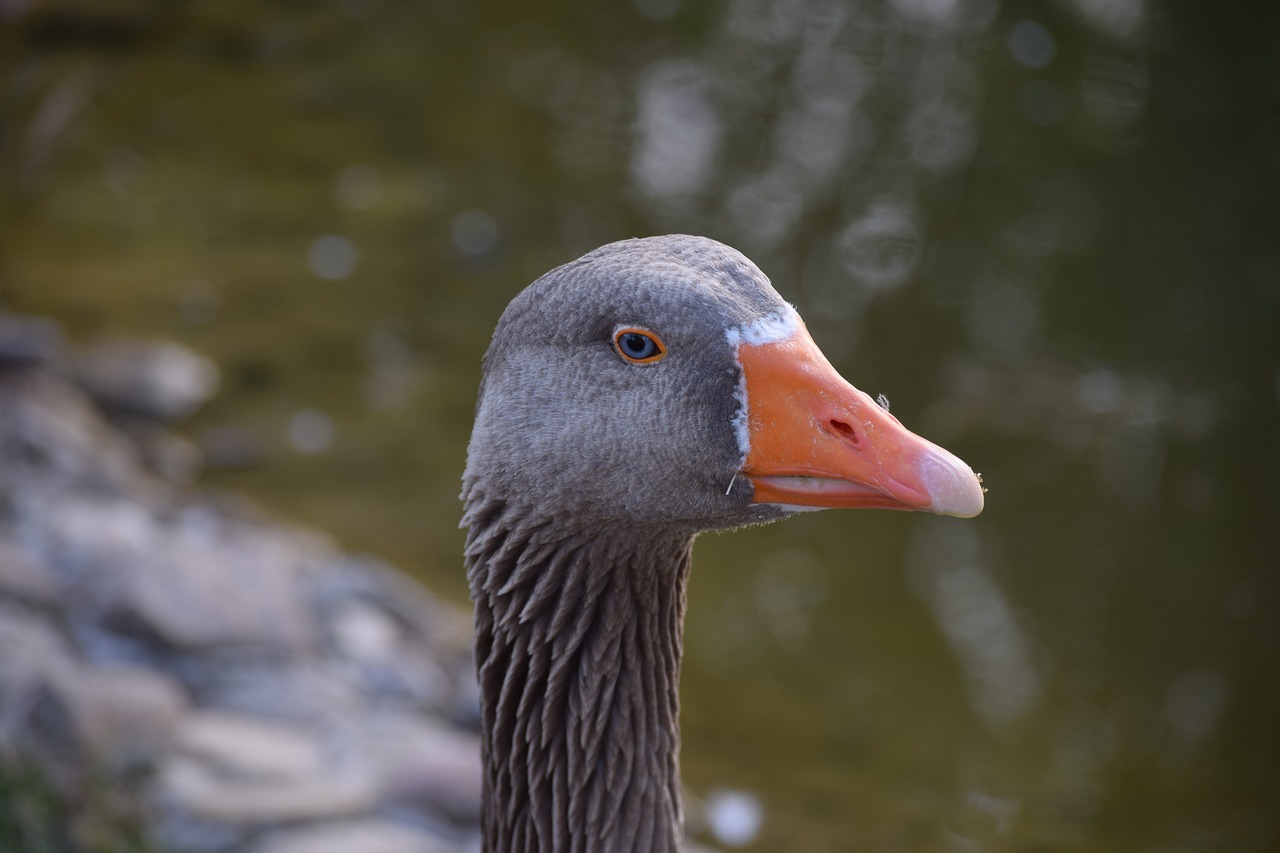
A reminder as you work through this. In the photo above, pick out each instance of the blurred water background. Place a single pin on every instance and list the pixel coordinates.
(1048, 231)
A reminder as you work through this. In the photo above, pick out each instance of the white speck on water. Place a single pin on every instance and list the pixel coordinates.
(311, 431)
(332, 257)
(475, 233)
(1101, 391)
(882, 247)
(678, 130)
(735, 817)
(1032, 45)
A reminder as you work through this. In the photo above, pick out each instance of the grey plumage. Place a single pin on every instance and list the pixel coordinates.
(587, 479)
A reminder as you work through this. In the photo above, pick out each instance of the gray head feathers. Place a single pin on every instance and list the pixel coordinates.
(566, 425)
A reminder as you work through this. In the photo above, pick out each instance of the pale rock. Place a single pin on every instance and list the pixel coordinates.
(160, 380)
(404, 643)
(364, 633)
(116, 716)
(237, 770)
(125, 716)
(243, 746)
(166, 454)
(364, 836)
(421, 763)
(34, 659)
(230, 586)
(308, 691)
(49, 427)
(26, 580)
(210, 795)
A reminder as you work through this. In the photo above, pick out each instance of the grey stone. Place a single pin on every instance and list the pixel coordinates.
(246, 747)
(363, 836)
(387, 660)
(72, 715)
(420, 614)
(363, 633)
(211, 795)
(160, 380)
(35, 659)
(168, 456)
(305, 691)
(423, 764)
(28, 340)
(125, 716)
(125, 599)
(26, 580)
(191, 581)
(47, 426)
(406, 645)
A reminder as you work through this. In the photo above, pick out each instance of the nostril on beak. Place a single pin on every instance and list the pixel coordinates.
(845, 430)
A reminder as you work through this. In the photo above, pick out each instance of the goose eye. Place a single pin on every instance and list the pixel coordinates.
(639, 346)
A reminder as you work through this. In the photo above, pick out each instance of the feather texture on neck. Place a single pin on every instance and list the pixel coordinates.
(578, 646)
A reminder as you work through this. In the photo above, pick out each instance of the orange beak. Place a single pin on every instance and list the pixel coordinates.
(817, 441)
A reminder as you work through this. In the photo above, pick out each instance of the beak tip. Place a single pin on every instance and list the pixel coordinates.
(955, 489)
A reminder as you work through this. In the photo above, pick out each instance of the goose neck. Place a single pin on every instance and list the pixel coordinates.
(578, 647)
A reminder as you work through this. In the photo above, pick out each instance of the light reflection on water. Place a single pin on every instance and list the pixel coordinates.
(1047, 232)
(944, 567)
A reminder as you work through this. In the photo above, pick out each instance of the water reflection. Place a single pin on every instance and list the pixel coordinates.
(677, 131)
(475, 233)
(945, 566)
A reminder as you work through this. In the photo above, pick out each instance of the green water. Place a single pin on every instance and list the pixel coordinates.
(1049, 232)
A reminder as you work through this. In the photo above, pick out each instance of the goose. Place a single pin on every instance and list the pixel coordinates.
(651, 390)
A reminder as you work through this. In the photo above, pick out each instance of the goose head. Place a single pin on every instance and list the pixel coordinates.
(663, 381)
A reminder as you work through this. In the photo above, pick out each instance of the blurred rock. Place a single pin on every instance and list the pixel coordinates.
(163, 381)
(34, 720)
(28, 340)
(303, 691)
(206, 793)
(194, 580)
(364, 836)
(424, 765)
(170, 457)
(125, 715)
(244, 746)
(25, 579)
(49, 429)
(78, 717)
(400, 640)
(244, 684)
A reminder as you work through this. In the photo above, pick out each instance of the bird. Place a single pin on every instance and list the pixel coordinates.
(651, 390)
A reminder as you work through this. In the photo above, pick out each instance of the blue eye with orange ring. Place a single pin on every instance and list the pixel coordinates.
(638, 346)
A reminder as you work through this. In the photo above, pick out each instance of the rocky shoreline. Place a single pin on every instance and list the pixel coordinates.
(243, 685)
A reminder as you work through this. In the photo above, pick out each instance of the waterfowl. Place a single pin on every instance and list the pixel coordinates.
(631, 399)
